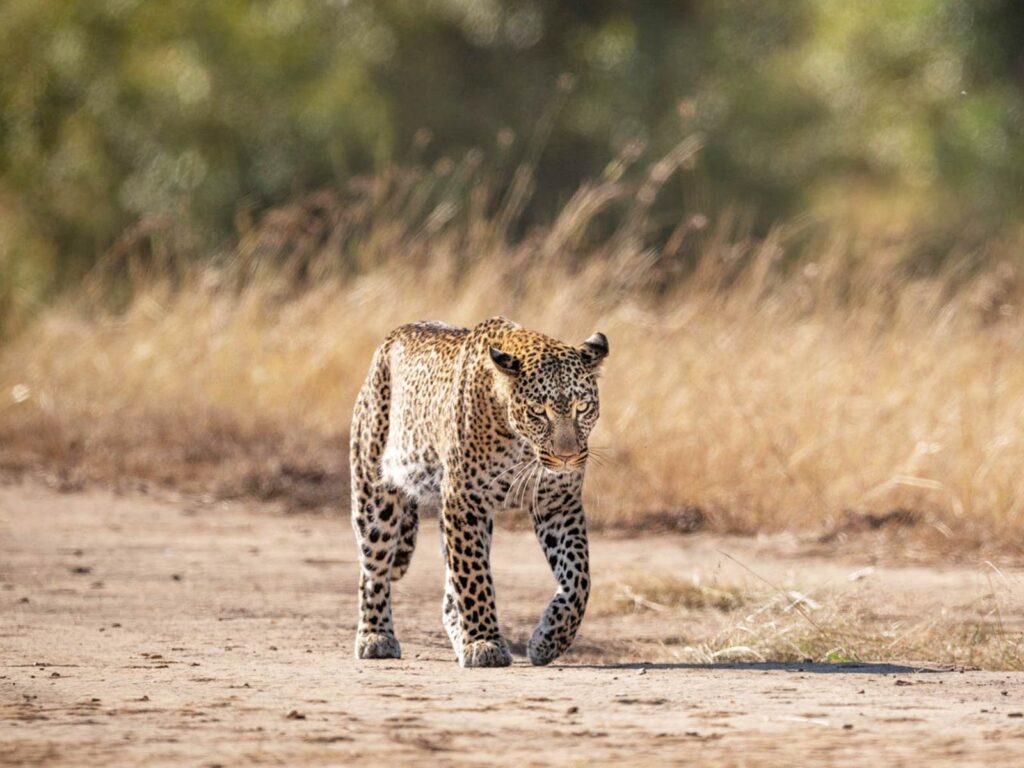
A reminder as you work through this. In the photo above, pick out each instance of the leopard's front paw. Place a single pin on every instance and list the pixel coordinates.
(542, 649)
(375, 645)
(486, 653)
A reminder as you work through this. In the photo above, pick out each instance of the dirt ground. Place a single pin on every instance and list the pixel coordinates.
(150, 632)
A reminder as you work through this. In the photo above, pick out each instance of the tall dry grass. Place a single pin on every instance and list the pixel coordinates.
(754, 383)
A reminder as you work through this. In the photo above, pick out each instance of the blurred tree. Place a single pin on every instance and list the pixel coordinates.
(117, 110)
(120, 109)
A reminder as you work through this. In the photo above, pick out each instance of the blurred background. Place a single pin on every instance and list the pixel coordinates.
(211, 212)
(903, 114)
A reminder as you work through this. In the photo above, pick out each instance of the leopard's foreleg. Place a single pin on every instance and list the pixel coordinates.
(469, 612)
(562, 531)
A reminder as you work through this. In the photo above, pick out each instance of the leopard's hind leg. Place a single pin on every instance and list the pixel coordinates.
(377, 532)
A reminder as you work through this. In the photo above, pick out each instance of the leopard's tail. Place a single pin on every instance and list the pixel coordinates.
(370, 425)
(370, 421)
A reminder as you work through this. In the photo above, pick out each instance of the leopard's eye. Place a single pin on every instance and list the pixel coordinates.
(583, 406)
(538, 410)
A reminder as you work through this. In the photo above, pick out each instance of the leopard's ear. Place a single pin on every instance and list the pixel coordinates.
(594, 350)
(510, 365)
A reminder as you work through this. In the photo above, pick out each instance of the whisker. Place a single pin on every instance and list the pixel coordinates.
(520, 475)
(521, 488)
(524, 465)
(510, 497)
(517, 465)
(524, 487)
(536, 490)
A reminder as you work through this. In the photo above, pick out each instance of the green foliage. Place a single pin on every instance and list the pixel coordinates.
(113, 111)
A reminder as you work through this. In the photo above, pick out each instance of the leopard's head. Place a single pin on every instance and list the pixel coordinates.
(550, 390)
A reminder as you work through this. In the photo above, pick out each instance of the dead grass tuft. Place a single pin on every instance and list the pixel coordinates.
(757, 623)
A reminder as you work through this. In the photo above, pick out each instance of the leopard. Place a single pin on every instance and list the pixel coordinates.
(461, 423)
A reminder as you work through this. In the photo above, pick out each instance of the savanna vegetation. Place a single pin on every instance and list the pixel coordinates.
(797, 222)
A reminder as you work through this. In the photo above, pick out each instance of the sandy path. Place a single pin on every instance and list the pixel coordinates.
(136, 631)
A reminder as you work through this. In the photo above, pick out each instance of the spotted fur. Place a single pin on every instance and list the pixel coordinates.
(465, 422)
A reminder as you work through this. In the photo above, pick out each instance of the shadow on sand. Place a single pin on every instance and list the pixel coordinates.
(851, 667)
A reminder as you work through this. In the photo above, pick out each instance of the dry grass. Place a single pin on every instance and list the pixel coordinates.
(757, 384)
(754, 621)
(661, 593)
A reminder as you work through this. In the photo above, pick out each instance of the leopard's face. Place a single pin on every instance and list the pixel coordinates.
(552, 396)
